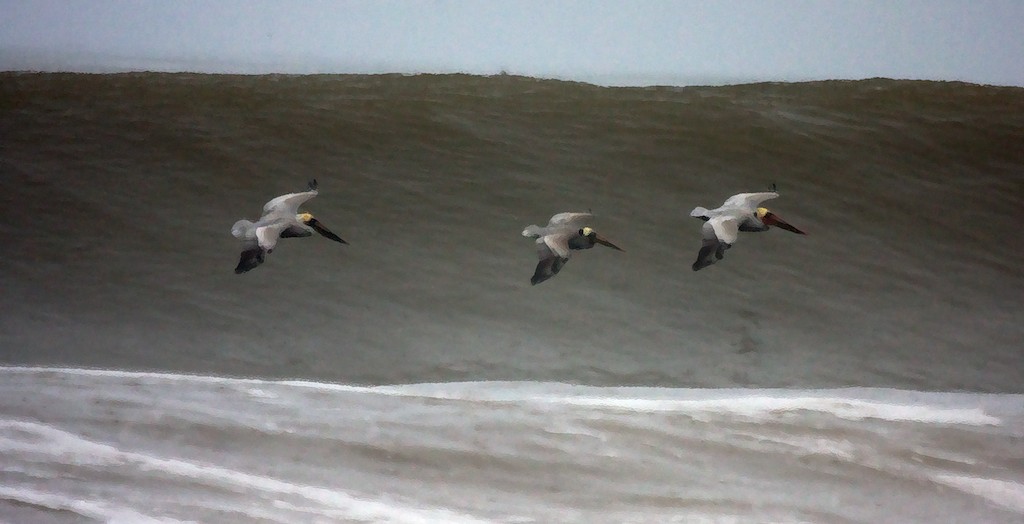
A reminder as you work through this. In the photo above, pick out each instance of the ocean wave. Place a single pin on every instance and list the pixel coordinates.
(851, 404)
(432, 177)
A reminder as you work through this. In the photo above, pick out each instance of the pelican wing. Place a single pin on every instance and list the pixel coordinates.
(268, 234)
(548, 266)
(724, 228)
(252, 256)
(557, 243)
(749, 201)
(569, 219)
(711, 249)
(288, 204)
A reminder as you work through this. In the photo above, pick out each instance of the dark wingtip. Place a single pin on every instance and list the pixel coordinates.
(246, 266)
(540, 275)
(249, 259)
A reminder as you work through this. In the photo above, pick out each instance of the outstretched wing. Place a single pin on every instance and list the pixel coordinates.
(725, 228)
(252, 256)
(749, 201)
(569, 219)
(548, 266)
(711, 250)
(288, 205)
(557, 243)
(268, 235)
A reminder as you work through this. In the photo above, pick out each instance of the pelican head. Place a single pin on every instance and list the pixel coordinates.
(307, 218)
(592, 237)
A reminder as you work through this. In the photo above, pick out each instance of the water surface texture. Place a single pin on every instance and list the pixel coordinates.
(869, 371)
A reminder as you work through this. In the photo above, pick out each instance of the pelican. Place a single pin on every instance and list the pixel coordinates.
(722, 225)
(281, 219)
(564, 232)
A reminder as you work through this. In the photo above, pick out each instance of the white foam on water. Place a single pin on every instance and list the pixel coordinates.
(259, 393)
(252, 384)
(840, 449)
(30, 439)
(760, 407)
(559, 409)
(1007, 494)
(92, 509)
(922, 407)
(64, 447)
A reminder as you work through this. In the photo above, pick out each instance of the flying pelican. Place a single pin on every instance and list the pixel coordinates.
(738, 213)
(281, 219)
(564, 232)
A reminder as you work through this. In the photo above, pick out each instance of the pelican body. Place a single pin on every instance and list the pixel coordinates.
(565, 232)
(281, 219)
(722, 225)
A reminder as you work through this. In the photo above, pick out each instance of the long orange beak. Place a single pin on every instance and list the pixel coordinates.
(772, 219)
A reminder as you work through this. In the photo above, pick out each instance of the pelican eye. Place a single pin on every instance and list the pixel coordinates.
(586, 231)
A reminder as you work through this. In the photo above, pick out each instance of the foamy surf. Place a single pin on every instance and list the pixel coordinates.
(42, 443)
(852, 404)
(849, 403)
(160, 447)
(90, 509)
(1005, 493)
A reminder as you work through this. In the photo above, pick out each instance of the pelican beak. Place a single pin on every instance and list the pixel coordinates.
(604, 242)
(319, 228)
(772, 219)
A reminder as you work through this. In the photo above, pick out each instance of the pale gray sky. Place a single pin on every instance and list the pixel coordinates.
(622, 42)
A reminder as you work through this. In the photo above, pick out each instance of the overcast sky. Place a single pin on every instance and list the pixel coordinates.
(622, 42)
